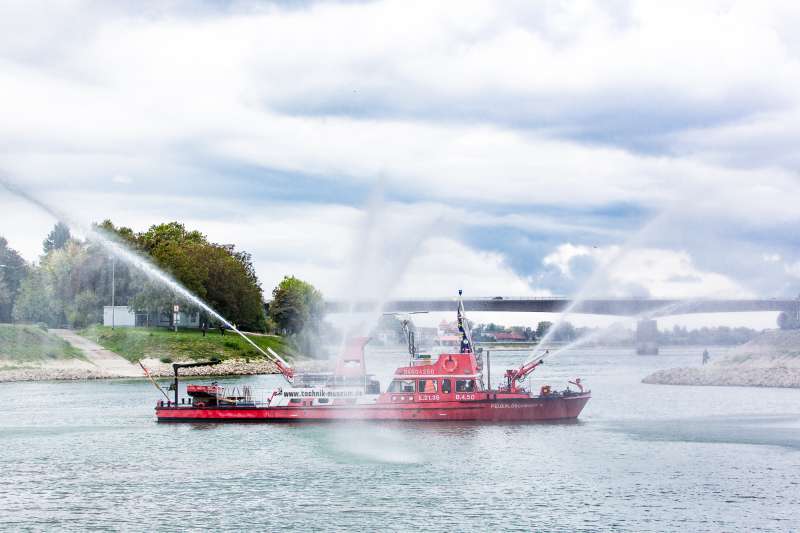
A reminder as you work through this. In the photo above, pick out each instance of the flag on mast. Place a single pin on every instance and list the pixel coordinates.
(463, 327)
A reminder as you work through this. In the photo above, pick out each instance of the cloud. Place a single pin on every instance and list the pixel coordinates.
(509, 130)
(444, 265)
(642, 272)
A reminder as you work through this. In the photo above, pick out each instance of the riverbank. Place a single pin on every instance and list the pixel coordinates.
(30, 353)
(770, 360)
(75, 370)
(136, 344)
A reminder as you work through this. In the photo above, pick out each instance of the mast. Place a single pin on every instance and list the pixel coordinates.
(463, 327)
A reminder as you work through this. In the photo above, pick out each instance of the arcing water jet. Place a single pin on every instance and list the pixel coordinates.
(120, 251)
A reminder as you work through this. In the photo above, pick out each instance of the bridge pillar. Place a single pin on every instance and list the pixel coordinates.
(790, 319)
(647, 337)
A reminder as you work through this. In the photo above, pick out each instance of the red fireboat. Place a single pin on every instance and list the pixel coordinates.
(449, 388)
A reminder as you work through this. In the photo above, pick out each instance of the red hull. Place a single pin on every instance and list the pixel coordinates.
(494, 410)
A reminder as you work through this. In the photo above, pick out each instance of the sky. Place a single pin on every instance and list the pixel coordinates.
(406, 149)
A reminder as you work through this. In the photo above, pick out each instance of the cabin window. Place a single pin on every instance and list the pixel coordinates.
(322, 400)
(445, 386)
(425, 386)
(401, 385)
(295, 400)
(465, 385)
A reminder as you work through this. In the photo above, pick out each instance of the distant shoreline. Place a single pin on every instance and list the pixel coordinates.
(770, 360)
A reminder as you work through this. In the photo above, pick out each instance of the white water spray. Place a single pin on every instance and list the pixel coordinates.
(669, 309)
(598, 275)
(113, 246)
(385, 243)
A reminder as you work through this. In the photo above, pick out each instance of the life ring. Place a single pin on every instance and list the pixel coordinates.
(450, 364)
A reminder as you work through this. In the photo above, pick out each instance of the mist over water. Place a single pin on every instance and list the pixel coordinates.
(385, 243)
(605, 332)
(599, 282)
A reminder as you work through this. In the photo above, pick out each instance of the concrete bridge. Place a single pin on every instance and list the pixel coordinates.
(596, 306)
(647, 309)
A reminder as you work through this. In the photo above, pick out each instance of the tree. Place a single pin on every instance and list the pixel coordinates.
(565, 332)
(14, 270)
(297, 309)
(295, 305)
(542, 328)
(35, 302)
(232, 287)
(5, 292)
(217, 274)
(58, 237)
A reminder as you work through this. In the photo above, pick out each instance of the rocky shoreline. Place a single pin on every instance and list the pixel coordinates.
(72, 370)
(778, 376)
(770, 360)
(229, 367)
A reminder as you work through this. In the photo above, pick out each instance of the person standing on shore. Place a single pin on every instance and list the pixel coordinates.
(706, 357)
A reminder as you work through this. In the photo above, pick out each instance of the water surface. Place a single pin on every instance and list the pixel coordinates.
(88, 455)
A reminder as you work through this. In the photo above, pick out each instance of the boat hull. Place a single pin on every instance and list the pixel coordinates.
(492, 410)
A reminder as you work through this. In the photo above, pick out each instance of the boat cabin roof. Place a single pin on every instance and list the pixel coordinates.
(448, 365)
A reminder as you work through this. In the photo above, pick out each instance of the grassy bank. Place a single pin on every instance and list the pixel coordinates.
(140, 343)
(32, 344)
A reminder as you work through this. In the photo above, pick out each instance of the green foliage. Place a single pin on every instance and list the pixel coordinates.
(166, 360)
(58, 237)
(219, 275)
(564, 332)
(295, 305)
(5, 292)
(13, 271)
(297, 310)
(714, 336)
(73, 280)
(36, 301)
(31, 344)
(65, 289)
(542, 328)
(140, 343)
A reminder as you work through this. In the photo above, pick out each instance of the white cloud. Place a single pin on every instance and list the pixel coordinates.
(565, 253)
(510, 107)
(650, 272)
(236, 86)
(444, 265)
(792, 269)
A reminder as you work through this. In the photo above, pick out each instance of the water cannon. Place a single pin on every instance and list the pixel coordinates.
(283, 366)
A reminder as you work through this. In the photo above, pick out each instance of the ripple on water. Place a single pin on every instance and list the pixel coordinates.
(643, 458)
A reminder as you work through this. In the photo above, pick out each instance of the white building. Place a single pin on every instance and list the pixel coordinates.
(125, 317)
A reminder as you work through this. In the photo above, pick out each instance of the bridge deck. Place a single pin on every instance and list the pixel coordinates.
(607, 306)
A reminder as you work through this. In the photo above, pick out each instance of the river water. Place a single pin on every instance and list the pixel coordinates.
(89, 456)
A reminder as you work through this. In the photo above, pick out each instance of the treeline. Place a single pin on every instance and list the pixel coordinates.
(491, 332)
(72, 281)
(616, 336)
(720, 336)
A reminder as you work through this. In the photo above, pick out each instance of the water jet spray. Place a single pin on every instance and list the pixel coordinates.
(113, 246)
